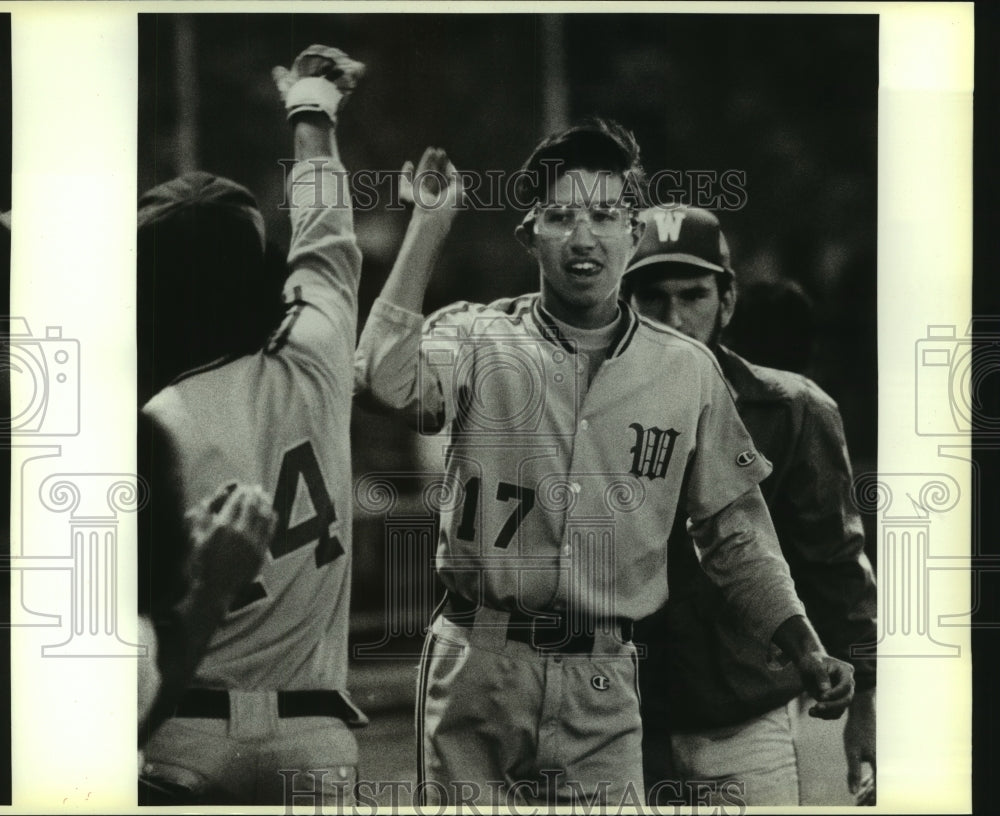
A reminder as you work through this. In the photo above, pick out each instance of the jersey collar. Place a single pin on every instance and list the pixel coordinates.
(628, 324)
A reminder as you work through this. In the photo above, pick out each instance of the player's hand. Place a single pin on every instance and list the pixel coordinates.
(320, 80)
(436, 189)
(859, 746)
(829, 681)
(230, 533)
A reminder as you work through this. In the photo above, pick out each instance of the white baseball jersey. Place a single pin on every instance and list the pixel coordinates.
(560, 497)
(280, 418)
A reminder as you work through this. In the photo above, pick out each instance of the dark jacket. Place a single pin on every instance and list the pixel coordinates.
(703, 669)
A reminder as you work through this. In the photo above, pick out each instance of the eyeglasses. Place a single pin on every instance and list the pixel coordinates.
(604, 221)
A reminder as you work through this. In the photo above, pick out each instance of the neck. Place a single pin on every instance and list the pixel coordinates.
(595, 316)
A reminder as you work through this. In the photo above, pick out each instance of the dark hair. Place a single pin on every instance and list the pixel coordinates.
(724, 281)
(635, 280)
(206, 288)
(593, 144)
(774, 325)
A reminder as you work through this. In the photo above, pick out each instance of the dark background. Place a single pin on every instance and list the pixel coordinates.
(986, 518)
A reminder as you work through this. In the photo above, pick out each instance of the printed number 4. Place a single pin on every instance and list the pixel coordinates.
(506, 491)
(299, 461)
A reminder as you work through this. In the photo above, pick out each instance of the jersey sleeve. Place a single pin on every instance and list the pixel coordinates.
(739, 552)
(414, 365)
(321, 292)
(726, 463)
(824, 540)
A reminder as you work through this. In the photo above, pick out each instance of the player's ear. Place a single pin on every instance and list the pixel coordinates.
(526, 237)
(727, 303)
(638, 228)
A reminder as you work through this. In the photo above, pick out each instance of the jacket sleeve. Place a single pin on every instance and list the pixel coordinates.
(739, 552)
(823, 539)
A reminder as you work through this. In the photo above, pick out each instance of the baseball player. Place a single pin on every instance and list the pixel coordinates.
(267, 715)
(229, 534)
(574, 429)
(707, 692)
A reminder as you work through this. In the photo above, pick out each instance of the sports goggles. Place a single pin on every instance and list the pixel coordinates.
(604, 221)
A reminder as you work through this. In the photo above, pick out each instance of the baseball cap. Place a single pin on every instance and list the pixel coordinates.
(689, 239)
(197, 191)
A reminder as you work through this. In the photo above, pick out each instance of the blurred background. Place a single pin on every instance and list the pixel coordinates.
(789, 101)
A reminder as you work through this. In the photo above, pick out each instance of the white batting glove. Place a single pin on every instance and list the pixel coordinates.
(320, 80)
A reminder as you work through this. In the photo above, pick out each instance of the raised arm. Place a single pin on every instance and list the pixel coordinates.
(388, 357)
(324, 259)
(435, 190)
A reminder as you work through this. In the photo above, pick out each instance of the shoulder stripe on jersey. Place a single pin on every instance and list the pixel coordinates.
(629, 327)
(453, 309)
(210, 366)
(659, 328)
(550, 331)
(515, 307)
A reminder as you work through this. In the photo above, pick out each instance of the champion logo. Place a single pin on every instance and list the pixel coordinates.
(600, 682)
(746, 458)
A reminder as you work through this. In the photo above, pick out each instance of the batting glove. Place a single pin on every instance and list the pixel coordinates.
(320, 80)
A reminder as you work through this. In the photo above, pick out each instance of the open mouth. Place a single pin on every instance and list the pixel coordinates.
(584, 268)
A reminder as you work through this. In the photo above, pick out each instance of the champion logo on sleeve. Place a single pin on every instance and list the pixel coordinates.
(746, 458)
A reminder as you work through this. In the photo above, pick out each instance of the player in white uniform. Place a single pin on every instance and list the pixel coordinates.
(267, 714)
(575, 430)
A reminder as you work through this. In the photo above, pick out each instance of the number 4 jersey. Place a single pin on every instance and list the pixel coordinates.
(281, 418)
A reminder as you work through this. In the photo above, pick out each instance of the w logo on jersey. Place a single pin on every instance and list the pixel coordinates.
(652, 451)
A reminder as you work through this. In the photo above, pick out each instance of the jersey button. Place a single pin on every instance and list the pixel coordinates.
(584, 424)
(566, 550)
(575, 487)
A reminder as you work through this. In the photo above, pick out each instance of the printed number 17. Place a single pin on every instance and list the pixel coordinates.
(506, 491)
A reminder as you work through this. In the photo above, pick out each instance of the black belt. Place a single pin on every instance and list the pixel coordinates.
(214, 704)
(546, 633)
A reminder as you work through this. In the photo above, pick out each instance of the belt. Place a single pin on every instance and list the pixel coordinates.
(214, 704)
(546, 633)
